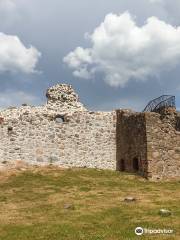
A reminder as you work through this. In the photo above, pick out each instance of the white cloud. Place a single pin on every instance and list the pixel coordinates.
(15, 57)
(16, 98)
(124, 51)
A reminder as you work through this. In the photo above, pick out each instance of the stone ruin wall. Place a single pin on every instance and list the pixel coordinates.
(34, 135)
(64, 133)
(131, 142)
(163, 148)
(153, 139)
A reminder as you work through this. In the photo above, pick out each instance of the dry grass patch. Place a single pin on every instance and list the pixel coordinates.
(32, 205)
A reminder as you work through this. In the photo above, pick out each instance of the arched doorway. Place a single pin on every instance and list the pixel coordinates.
(135, 164)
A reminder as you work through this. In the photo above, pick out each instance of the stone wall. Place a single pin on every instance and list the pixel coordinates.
(163, 148)
(131, 142)
(64, 133)
(149, 143)
(36, 136)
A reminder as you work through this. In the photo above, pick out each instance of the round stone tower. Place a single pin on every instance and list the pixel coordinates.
(62, 97)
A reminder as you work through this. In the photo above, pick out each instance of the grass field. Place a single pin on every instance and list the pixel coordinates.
(84, 204)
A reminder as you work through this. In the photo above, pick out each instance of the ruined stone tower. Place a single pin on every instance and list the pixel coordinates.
(149, 143)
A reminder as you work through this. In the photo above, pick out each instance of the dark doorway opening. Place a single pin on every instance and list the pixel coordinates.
(135, 164)
(122, 165)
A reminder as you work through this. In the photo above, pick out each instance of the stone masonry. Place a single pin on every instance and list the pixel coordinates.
(64, 133)
(149, 143)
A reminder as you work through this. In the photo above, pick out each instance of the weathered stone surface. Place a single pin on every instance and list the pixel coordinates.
(149, 143)
(64, 133)
(163, 143)
(63, 98)
(131, 142)
(84, 139)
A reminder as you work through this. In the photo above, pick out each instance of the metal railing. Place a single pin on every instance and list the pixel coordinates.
(160, 102)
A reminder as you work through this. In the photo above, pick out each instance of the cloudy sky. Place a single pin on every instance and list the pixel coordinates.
(115, 53)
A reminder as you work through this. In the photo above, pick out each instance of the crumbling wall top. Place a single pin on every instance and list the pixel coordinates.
(62, 92)
(63, 96)
(62, 99)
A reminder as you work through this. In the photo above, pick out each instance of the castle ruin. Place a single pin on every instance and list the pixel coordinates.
(64, 133)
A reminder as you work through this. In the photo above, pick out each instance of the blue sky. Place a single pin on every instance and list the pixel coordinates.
(133, 56)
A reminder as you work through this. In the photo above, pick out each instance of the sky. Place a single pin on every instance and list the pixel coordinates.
(116, 54)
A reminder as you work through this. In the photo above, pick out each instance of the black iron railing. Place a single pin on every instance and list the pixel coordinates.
(160, 102)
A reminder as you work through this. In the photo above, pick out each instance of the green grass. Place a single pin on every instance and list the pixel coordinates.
(32, 205)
